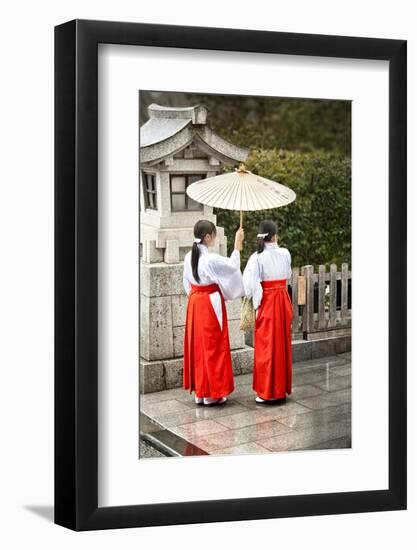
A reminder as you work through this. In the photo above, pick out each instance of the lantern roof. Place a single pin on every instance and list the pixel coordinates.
(170, 129)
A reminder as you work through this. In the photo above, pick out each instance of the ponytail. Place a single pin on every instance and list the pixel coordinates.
(201, 229)
(261, 245)
(195, 254)
(267, 229)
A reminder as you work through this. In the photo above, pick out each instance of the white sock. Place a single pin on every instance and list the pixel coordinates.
(210, 401)
(260, 400)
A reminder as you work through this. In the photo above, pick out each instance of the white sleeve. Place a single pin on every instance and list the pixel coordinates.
(185, 280)
(252, 280)
(289, 269)
(226, 272)
(225, 265)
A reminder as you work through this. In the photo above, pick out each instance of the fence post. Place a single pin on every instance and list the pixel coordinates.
(333, 295)
(294, 296)
(322, 297)
(344, 297)
(308, 313)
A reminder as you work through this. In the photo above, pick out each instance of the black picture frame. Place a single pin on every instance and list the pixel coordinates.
(76, 272)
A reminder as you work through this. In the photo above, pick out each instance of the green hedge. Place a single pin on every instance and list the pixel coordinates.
(287, 123)
(294, 124)
(316, 228)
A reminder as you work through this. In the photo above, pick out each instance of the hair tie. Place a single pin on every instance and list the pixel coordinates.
(262, 235)
(197, 240)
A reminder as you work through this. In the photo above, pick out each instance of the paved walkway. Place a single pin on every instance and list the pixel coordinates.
(316, 416)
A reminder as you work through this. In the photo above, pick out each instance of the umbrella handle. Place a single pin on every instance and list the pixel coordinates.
(241, 219)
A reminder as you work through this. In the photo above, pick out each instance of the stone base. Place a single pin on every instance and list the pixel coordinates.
(304, 350)
(331, 333)
(168, 374)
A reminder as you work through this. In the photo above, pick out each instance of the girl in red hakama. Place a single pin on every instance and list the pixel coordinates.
(209, 279)
(265, 279)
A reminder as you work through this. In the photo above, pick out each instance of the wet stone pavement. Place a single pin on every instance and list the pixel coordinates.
(317, 415)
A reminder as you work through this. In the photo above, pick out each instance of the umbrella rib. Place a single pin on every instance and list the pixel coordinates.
(234, 194)
(267, 194)
(242, 189)
(237, 194)
(228, 192)
(209, 194)
(256, 203)
(222, 195)
(239, 199)
(212, 193)
(246, 196)
(276, 202)
(270, 198)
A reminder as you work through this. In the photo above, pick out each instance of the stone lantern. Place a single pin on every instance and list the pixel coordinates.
(177, 147)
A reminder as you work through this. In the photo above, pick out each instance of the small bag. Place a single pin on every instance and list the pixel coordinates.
(247, 314)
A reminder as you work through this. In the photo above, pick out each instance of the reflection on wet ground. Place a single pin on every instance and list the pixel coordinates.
(317, 415)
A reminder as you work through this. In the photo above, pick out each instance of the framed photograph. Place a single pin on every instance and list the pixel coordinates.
(230, 275)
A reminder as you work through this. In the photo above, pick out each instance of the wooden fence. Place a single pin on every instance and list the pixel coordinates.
(321, 302)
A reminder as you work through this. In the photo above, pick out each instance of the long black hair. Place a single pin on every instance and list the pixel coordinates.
(269, 227)
(201, 229)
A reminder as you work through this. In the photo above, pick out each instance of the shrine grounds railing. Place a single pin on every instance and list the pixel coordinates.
(321, 302)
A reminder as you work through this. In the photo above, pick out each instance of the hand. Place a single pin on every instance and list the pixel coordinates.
(240, 235)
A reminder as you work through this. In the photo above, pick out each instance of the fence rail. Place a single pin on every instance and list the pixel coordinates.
(321, 301)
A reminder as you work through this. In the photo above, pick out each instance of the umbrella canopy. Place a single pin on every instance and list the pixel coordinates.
(240, 190)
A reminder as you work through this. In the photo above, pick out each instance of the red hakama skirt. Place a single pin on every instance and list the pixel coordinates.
(272, 369)
(207, 360)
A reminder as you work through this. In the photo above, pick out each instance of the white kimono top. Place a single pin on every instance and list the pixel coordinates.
(274, 263)
(214, 268)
